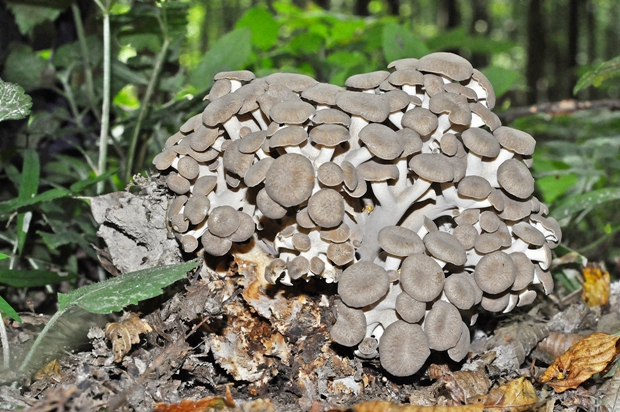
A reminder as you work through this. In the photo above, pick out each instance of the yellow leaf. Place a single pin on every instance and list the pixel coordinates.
(596, 288)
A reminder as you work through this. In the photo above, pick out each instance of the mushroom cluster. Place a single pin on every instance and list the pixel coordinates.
(403, 187)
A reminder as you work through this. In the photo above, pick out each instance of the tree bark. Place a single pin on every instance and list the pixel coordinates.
(480, 13)
(536, 48)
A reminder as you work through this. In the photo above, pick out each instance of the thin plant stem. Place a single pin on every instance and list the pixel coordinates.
(79, 28)
(6, 354)
(144, 107)
(105, 109)
(39, 339)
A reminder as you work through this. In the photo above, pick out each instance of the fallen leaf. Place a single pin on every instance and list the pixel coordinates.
(384, 406)
(50, 372)
(585, 358)
(125, 333)
(596, 287)
(514, 396)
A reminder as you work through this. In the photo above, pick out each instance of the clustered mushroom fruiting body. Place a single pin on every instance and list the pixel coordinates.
(403, 187)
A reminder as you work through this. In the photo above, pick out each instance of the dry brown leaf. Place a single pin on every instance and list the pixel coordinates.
(125, 333)
(50, 372)
(515, 396)
(585, 358)
(384, 406)
(596, 287)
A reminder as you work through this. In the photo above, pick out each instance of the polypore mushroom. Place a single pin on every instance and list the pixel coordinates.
(402, 187)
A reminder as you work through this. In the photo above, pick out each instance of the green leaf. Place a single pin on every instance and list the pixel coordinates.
(501, 79)
(230, 52)
(32, 278)
(71, 53)
(8, 309)
(80, 185)
(30, 175)
(24, 67)
(49, 195)
(606, 70)
(28, 16)
(399, 42)
(115, 294)
(14, 103)
(263, 26)
(585, 201)
(3, 256)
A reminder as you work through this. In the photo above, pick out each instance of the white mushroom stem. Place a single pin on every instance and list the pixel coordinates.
(260, 119)
(512, 303)
(358, 156)
(451, 195)
(357, 124)
(383, 193)
(325, 154)
(395, 118)
(232, 127)
(541, 255)
(476, 121)
(402, 182)
(234, 85)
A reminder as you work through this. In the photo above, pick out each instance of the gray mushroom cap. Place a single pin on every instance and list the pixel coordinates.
(412, 142)
(515, 178)
(326, 208)
(403, 348)
(410, 77)
(423, 121)
(442, 325)
(362, 284)
(490, 119)
(525, 270)
(196, 209)
(367, 80)
(381, 141)
(421, 277)
(410, 309)
(377, 172)
(333, 116)
(338, 234)
(489, 222)
(240, 75)
(448, 64)
(235, 161)
(460, 350)
(222, 109)
(404, 64)
(446, 247)
(480, 142)
(459, 291)
(202, 138)
(290, 179)
(322, 93)
(330, 174)
(475, 187)
(214, 245)
(245, 229)
(297, 267)
(340, 253)
(515, 140)
(223, 221)
(466, 234)
(164, 159)
(288, 136)
(487, 86)
(488, 242)
(291, 112)
(495, 272)
(495, 303)
(433, 167)
(372, 107)
(257, 172)
(294, 81)
(301, 242)
(204, 185)
(350, 326)
(454, 104)
(329, 134)
(400, 241)
(529, 234)
(178, 184)
(269, 207)
(251, 142)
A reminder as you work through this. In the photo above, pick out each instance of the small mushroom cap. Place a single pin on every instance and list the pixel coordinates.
(454, 104)
(179, 223)
(488, 242)
(475, 187)
(421, 277)
(288, 136)
(235, 161)
(448, 64)
(480, 142)
(404, 64)
(214, 245)
(412, 142)
(410, 77)
(245, 229)
(294, 81)
(372, 107)
(466, 234)
(338, 234)
(223, 221)
(514, 209)
(409, 309)
(297, 267)
(487, 86)
(329, 134)
(367, 80)
(290, 179)
(188, 167)
(326, 208)
(460, 350)
(515, 178)
(176, 205)
(301, 242)
(164, 159)
(545, 278)
(368, 348)
(240, 75)
(317, 266)
(400, 241)
(449, 144)
(490, 119)
(322, 93)
(350, 175)
(423, 121)
(515, 140)
(190, 124)
(340, 253)
(269, 208)
(291, 112)
(257, 172)
(489, 222)
(468, 216)
(495, 303)
(446, 247)
(251, 142)
(550, 224)
(178, 184)
(188, 242)
(222, 109)
(377, 172)
(330, 174)
(525, 270)
(433, 167)
(202, 138)
(303, 219)
(333, 116)
(350, 326)
(403, 348)
(495, 272)
(529, 234)
(204, 185)
(273, 270)
(442, 325)
(219, 89)
(363, 284)
(196, 209)
(459, 291)
(458, 88)
(433, 85)
(381, 141)
(398, 100)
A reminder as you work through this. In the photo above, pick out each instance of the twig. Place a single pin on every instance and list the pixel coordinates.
(105, 109)
(560, 108)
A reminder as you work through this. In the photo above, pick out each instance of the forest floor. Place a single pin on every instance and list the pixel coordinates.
(224, 339)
